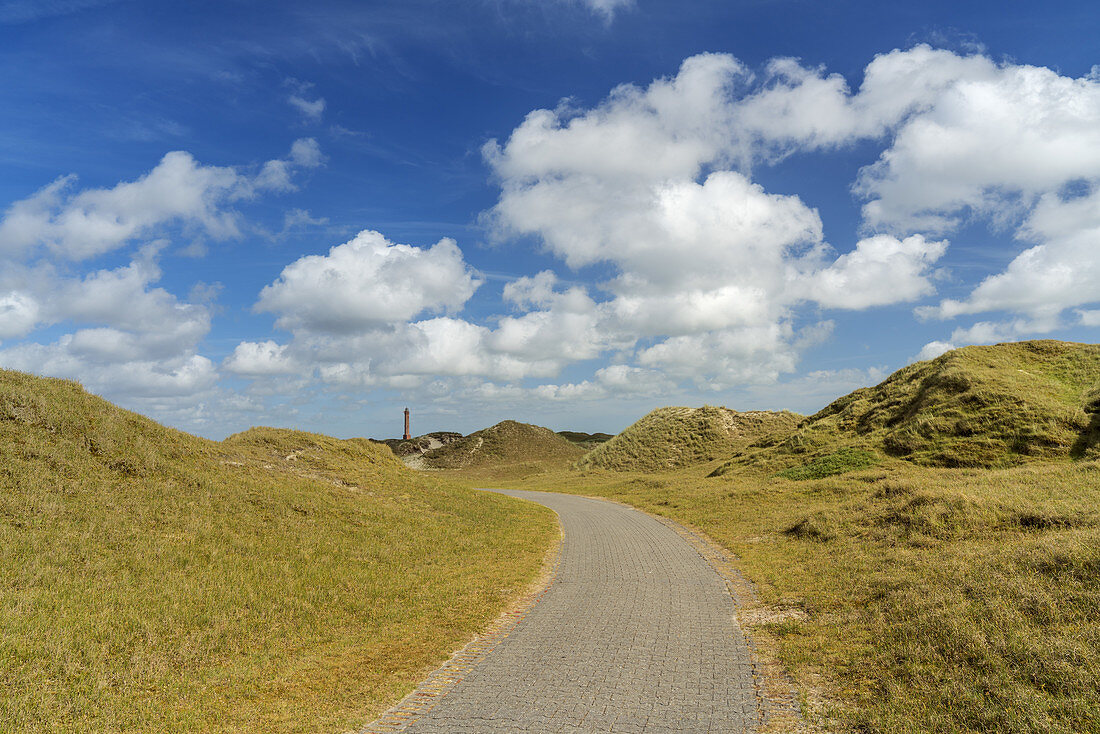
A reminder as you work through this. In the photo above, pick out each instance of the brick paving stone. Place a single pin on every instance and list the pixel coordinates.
(635, 634)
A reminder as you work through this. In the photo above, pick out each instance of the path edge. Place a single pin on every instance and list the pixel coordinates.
(776, 693)
(443, 679)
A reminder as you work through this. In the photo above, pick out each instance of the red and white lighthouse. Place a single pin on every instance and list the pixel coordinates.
(407, 436)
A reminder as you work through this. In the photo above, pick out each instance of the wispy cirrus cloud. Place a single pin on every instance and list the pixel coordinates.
(27, 11)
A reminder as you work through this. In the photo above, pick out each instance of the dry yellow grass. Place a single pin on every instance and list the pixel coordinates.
(904, 596)
(924, 600)
(278, 581)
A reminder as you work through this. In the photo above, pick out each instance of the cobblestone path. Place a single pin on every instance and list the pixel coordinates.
(636, 634)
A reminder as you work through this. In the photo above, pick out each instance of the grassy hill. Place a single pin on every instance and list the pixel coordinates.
(281, 581)
(586, 441)
(668, 438)
(926, 551)
(420, 444)
(508, 443)
(991, 406)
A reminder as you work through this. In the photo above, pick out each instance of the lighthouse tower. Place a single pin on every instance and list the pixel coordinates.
(407, 436)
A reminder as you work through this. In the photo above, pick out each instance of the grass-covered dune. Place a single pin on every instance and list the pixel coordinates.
(277, 581)
(926, 551)
(668, 438)
(992, 406)
(585, 440)
(907, 599)
(507, 446)
(420, 444)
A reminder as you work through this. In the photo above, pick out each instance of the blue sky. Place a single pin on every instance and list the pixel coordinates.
(567, 212)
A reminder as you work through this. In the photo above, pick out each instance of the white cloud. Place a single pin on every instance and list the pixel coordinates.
(260, 358)
(95, 221)
(133, 339)
(994, 141)
(806, 393)
(965, 136)
(721, 359)
(881, 270)
(933, 349)
(708, 263)
(1061, 272)
(392, 356)
(278, 175)
(178, 191)
(617, 381)
(367, 282)
(306, 153)
(1089, 318)
(557, 335)
(1012, 329)
(668, 130)
(19, 313)
(798, 108)
(311, 109)
(180, 376)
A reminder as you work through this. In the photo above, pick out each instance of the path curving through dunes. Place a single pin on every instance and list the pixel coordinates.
(635, 634)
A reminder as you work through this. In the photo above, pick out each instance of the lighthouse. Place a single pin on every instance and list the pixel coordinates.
(407, 436)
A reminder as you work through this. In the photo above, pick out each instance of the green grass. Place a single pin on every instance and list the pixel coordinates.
(840, 462)
(278, 581)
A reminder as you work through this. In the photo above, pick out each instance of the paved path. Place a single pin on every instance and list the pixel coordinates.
(636, 634)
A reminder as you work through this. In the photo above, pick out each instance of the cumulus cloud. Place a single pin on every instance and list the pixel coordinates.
(994, 141)
(617, 381)
(180, 376)
(1089, 318)
(367, 282)
(19, 313)
(264, 358)
(881, 270)
(965, 138)
(933, 349)
(1061, 272)
(96, 221)
(132, 339)
(178, 191)
(797, 108)
(560, 326)
(638, 182)
(407, 354)
(708, 263)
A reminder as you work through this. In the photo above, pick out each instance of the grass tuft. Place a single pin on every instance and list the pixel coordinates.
(842, 461)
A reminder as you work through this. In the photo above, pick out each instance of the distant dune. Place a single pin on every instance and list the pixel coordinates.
(506, 443)
(668, 438)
